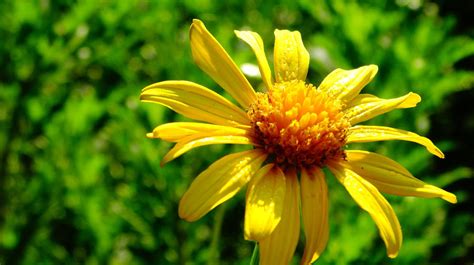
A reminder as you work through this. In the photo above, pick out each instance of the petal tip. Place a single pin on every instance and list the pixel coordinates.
(433, 149)
(451, 198)
(392, 255)
(256, 236)
(414, 98)
(440, 154)
(240, 34)
(197, 25)
(164, 161)
(410, 100)
(184, 209)
(393, 251)
(374, 70)
(197, 21)
(183, 214)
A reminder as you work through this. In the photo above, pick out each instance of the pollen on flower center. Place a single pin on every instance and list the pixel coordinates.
(299, 125)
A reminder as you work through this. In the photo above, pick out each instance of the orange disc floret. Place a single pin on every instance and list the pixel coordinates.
(298, 125)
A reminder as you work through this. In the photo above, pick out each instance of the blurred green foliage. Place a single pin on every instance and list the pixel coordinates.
(80, 184)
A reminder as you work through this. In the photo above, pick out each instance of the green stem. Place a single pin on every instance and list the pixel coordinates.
(254, 259)
(216, 232)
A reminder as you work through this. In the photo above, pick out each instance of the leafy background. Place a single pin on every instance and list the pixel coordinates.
(80, 184)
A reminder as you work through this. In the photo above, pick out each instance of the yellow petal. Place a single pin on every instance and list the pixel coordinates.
(392, 178)
(314, 207)
(265, 198)
(176, 131)
(370, 200)
(291, 59)
(347, 84)
(255, 42)
(365, 108)
(214, 60)
(206, 138)
(368, 98)
(196, 102)
(220, 182)
(363, 134)
(279, 246)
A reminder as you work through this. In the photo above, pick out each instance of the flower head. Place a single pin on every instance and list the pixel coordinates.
(296, 129)
(299, 125)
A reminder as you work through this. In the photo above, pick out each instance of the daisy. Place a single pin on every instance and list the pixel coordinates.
(296, 129)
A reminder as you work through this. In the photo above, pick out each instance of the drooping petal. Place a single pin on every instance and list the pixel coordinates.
(392, 178)
(177, 131)
(255, 42)
(279, 246)
(206, 138)
(347, 84)
(370, 200)
(364, 108)
(265, 198)
(291, 59)
(220, 182)
(196, 102)
(214, 60)
(314, 207)
(363, 134)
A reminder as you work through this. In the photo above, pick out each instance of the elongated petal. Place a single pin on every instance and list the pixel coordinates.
(314, 207)
(370, 200)
(291, 59)
(363, 134)
(220, 182)
(359, 112)
(392, 178)
(368, 98)
(214, 60)
(176, 131)
(265, 198)
(279, 247)
(196, 102)
(255, 42)
(347, 84)
(206, 138)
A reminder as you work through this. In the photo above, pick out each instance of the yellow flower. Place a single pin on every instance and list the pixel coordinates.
(296, 130)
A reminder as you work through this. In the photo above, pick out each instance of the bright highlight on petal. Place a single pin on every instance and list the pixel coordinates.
(291, 59)
(390, 177)
(214, 60)
(220, 182)
(176, 131)
(255, 42)
(196, 102)
(314, 207)
(363, 134)
(279, 247)
(370, 200)
(346, 84)
(365, 108)
(265, 198)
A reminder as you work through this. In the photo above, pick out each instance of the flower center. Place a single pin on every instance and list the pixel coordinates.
(298, 125)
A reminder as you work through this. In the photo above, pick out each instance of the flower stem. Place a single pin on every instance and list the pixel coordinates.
(254, 259)
(216, 232)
